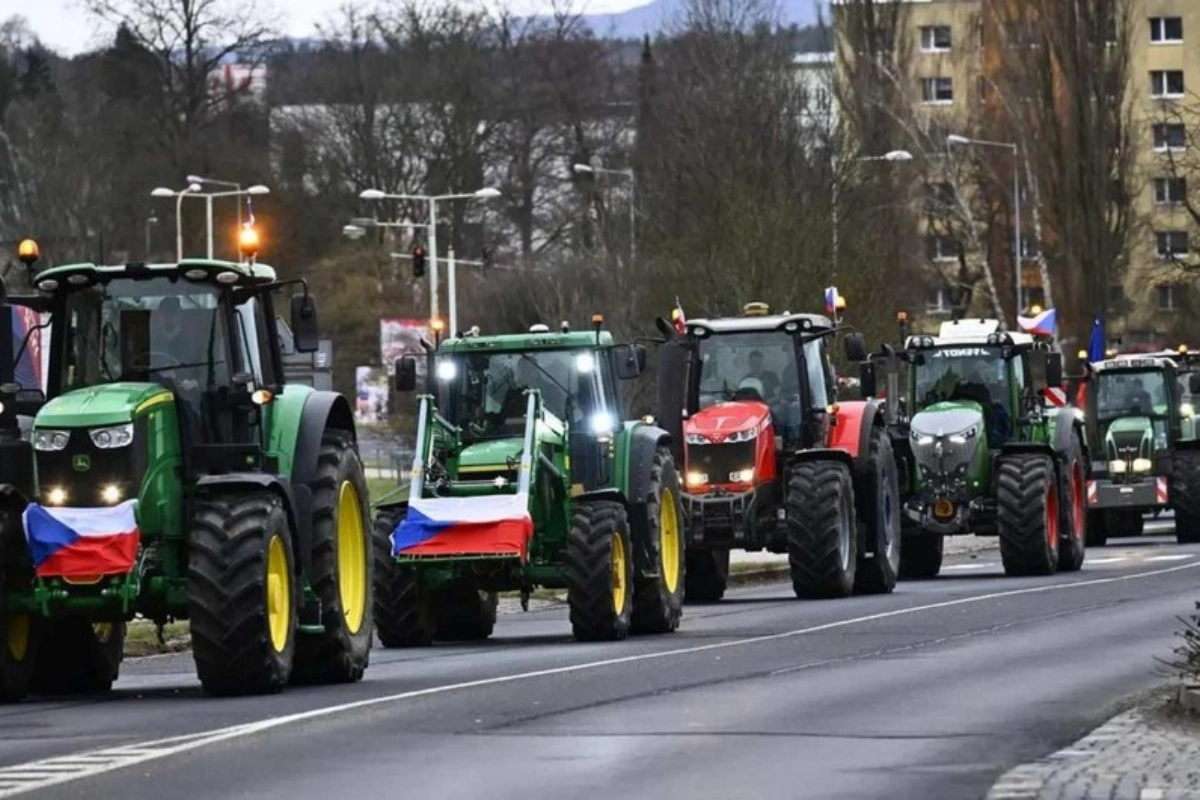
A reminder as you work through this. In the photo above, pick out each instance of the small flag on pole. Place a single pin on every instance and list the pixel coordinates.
(1043, 324)
(831, 296)
(678, 317)
(1096, 343)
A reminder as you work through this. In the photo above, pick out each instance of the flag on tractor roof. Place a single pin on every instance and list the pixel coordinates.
(1042, 324)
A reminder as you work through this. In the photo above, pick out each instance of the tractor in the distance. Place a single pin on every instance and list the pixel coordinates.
(987, 446)
(1141, 425)
(771, 461)
(179, 477)
(523, 477)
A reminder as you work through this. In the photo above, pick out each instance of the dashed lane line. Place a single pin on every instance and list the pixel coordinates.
(1175, 557)
(22, 778)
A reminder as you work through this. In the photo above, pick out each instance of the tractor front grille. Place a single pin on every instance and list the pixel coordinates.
(82, 470)
(720, 461)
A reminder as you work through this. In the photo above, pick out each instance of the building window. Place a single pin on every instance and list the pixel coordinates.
(1171, 244)
(1166, 30)
(1166, 83)
(937, 302)
(1167, 299)
(1169, 191)
(1169, 136)
(935, 39)
(937, 91)
(941, 248)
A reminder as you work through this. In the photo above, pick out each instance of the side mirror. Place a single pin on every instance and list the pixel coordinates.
(856, 348)
(306, 336)
(1054, 369)
(405, 379)
(630, 361)
(665, 328)
(866, 379)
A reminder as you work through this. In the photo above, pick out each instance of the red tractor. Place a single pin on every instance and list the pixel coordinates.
(772, 461)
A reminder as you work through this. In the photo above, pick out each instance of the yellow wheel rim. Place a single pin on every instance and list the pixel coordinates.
(668, 534)
(618, 574)
(279, 594)
(103, 631)
(18, 637)
(351, 557)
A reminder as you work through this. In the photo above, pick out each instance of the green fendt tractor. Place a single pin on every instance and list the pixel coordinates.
(1141, 424)
(178, 477)
(982, 449)
(524, 477)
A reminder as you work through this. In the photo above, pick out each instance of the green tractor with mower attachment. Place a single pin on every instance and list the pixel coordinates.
(985, 444)
(524, 476)
(1141, 424)
(178, 477)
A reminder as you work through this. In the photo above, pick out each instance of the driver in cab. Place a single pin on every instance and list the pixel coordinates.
(176, 357)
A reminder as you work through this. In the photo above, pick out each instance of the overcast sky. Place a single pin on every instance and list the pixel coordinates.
(63, 25)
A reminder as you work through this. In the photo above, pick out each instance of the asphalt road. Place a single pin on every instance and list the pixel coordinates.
(931, 692)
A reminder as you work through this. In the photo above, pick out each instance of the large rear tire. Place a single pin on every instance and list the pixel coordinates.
(658, 594)
(341, 564)
(599, 571)
(921, 557)
(878, 498)
(822, 530)
(1073, 543)
(403, 617)
(465, 613)
(77, 656)
(18, 632)
(1027, 515)
(1185, 495)
(706, 574)
(242, 594)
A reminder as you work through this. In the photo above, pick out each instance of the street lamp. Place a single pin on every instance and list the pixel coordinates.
(479, 194)
(588, 169)
(954, 140)
(163, 191)
(195, 189)
(891, 155)
(150, 220)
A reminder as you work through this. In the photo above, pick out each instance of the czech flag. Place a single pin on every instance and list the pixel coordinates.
(1044, 324)
(82, 542)
(831, 296)
(494, 525)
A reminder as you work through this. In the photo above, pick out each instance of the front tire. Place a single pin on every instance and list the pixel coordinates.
(242, 594)
(403, 616)
(922, 556)
(465, 613)
(1185, 495)
(1027, 515)
(1097, 528)
(341, 563)
(879, 516)
(77, 656)
(599, 571)
(822, 530)
(1073, 544)
(706, 574)
(658, 596)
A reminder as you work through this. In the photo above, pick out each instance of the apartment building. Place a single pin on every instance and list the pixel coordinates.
(951, 53)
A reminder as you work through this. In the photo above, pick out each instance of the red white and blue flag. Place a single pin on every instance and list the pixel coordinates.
(494, 525)
(678, 317)
(82, 542)
(831, 296)
(1043, 324)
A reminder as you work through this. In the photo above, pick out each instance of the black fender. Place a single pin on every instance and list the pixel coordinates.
(601, 494)
(323, 411)
(643, 443)
(673, 359)
(1066, 425)
(297, 504)
(872, 419)
(822, 454)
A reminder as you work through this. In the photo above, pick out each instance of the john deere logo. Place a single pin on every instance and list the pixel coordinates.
(81, 463)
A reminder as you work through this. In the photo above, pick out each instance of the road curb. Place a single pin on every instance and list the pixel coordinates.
(760, 575)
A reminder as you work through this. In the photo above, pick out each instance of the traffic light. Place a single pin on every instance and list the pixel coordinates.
(418, 261)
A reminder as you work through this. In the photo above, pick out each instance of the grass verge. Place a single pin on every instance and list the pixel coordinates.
(141, 639)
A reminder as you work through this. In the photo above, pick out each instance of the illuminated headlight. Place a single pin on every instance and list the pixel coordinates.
(695, 438)
(1142, 465)
(585, 363)
(447, 370)
(602, 423)
(49, 441)
(110, 438)
(742, 436)
(111, 494)
(1187, 410)
(56, 496)
(697, 478)
(742, 476)
(922, 439)
(1117, 467)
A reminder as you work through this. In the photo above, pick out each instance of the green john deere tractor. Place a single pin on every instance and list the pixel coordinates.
(179, 477)
(983, 449)
(523, 477)
(1141, 423)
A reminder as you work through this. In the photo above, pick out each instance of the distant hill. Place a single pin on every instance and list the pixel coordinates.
(658, 14)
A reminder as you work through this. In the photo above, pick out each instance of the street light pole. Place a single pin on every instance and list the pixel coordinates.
(194, 188)
(433, 262)
(892, 155)
(628, 173)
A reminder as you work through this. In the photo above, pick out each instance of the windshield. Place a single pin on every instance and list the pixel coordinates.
(490, 387)
(1133, 393)
(752, 366)
(961, 373)
(155, 330)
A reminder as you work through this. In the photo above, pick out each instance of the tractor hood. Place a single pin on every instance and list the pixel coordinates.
(1129, 437)
(946, 438)
(109, 404)
(717, 423)
(948, 419)
(493, 453)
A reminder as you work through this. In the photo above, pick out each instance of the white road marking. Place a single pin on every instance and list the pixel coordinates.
(114, 758)
(1176, 557)
(969, 566)
(1109, 560)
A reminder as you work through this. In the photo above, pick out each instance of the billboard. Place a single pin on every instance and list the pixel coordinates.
(371, 395)
(31, 356)
(400, 336)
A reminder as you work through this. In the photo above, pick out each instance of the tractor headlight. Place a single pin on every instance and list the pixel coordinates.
(1118, 467)
(114, 437)
(922, 439)
(697, 478)
(1187, 410)
(602, 423)
(447, 370)
(50, 441)
(695, 438)
(742, 476)
(1142, 465)
(965, 436)
(742, 436)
